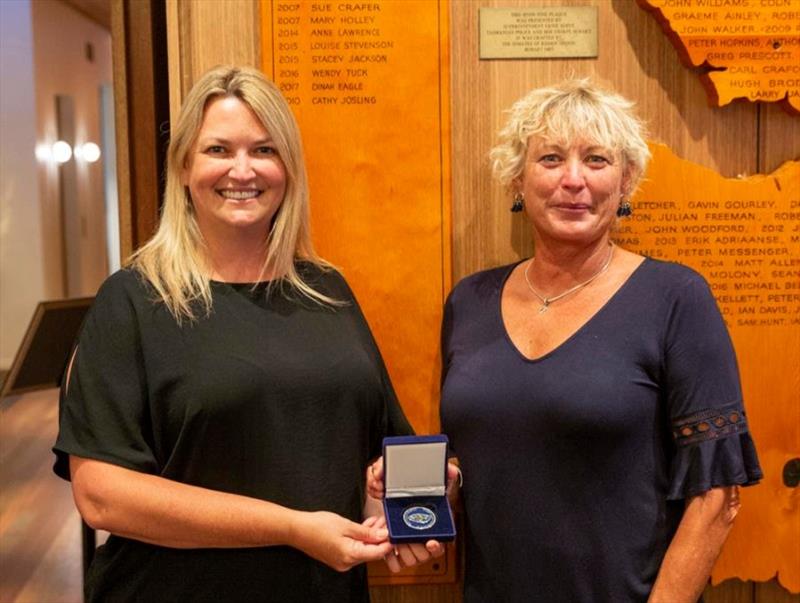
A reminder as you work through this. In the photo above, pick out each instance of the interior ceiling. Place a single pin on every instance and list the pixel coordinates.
(98, 11)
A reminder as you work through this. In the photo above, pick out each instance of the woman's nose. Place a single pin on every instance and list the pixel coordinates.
(573, 174)
(242, 168)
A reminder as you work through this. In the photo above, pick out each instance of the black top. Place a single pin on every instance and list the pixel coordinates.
(270, 396)
(576, 464)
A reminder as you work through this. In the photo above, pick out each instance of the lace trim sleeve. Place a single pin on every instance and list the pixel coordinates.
(714, 449)
(709, 424)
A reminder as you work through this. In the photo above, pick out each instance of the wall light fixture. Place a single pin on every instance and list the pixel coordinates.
(62, 152)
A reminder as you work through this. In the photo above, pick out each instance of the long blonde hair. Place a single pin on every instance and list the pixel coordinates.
(174, 260)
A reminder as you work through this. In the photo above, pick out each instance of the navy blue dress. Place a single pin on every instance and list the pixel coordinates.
(577, 464)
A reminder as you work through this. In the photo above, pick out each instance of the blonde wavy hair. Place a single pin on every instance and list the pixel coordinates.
(174, 260)
(573, 110)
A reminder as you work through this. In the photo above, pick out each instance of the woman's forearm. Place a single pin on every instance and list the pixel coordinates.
(169, 513)
(172, 514)
(703, 530)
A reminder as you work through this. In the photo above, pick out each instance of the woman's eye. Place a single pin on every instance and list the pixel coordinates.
(266, 150)
(597, 160)
(215, 149)
(550, 158)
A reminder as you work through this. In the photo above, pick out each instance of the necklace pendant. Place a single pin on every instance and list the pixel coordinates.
(546, 301)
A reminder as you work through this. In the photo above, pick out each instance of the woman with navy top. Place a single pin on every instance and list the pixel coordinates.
(590, 394)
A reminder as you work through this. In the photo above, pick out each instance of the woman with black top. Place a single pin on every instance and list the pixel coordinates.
(226, 395)
(591, 394)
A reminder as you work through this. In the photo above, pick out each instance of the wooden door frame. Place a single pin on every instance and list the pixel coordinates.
(141, 106)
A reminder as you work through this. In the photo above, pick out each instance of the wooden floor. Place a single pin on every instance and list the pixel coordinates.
(40, 530)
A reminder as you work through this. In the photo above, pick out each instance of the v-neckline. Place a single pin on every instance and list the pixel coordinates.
(577, 331)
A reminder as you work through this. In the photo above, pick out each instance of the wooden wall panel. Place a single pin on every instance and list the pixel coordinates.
(443, 593)
(772, 592)
(778, 137)
(205, 33)
(634, 57)
(736, 591)
(730, 591)
(137, 116)
(118, 52)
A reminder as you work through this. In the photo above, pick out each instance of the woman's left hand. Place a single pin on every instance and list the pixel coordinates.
(407, 555)
(403, 555)
(375, 479)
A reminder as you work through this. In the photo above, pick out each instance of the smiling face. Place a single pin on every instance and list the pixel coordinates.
(572, 192)
(235, 177)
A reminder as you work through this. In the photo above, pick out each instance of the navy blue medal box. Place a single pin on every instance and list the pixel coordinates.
(415, 478)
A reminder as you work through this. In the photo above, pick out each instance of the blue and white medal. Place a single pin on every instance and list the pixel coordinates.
(419, 518)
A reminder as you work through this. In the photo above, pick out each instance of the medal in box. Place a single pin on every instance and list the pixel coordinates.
(415, 480)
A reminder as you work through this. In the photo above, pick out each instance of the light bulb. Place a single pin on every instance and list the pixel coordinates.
(90, 152)
(44, 152)
(62, 152)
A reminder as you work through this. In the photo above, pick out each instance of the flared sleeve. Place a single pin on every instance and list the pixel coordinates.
(713, 446)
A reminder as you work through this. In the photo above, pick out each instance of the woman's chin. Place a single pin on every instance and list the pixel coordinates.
(574, 231)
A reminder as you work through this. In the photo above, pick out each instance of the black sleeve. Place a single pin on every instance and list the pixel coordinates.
(103, 406)
(704, 397)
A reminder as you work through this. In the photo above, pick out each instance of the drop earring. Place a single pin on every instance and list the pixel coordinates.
(519, 203)
(624, 210)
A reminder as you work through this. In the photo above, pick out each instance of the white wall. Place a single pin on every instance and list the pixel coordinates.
(60, 36)
(22, 281)
(43, 54)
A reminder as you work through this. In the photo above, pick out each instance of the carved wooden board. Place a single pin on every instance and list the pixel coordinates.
(744, 48)
(743, 235)
(372, 102)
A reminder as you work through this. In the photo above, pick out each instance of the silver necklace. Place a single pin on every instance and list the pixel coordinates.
(546, 301)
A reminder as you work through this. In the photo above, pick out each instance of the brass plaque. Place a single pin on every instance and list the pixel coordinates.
(538, 33)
